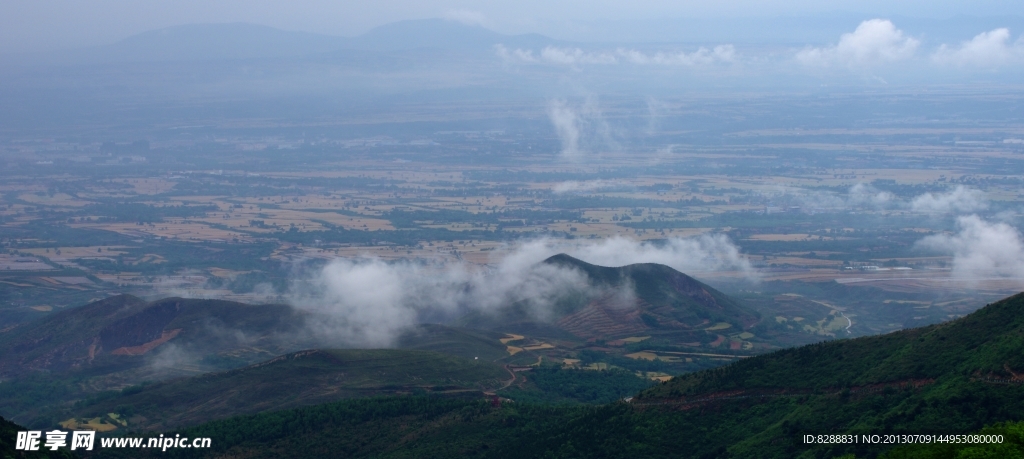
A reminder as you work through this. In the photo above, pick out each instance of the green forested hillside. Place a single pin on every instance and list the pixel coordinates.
(1010, 444)
(986, 345)
(8, 438)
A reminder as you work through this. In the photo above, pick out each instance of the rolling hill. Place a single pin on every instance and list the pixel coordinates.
(639, 299)
(951, 378)
(124, 332)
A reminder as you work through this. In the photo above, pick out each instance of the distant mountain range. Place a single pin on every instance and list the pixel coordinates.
(242, 41)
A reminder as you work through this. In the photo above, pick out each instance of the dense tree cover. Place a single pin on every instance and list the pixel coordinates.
(986, 343)
(1011, 444)
(741, 428)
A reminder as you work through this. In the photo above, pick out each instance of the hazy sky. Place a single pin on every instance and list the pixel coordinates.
(29, 25)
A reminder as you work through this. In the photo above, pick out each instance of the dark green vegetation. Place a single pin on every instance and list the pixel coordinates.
(950, 378)
(1012, 445)
(985, 345)
(297, 379)
(8, 437)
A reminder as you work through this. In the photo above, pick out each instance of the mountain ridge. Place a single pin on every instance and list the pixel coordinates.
(240, 41)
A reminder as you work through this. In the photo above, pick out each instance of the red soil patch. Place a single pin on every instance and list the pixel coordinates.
(144, 348)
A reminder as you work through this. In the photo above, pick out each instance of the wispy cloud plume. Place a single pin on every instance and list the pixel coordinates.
(580, 127)
(567, 126)
(863, 195)
(369, 302)
(981, 249)
(960, 200)
(859, 196)
(703, 56)
(575, 56)
(703, 253)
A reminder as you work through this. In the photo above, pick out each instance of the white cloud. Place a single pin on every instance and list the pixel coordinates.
(369, 302)
(703, 56)
(576, 57)
(468, 17)
(859, 196)
(567, 127)
(580, 128)
(703, 253)
(517, 55)
(987, 49)
(867, 196)
(573, 186)
(981, 249)
(874, 42)
(961, 199)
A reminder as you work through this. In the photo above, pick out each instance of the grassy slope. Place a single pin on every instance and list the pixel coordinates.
(461, 342)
